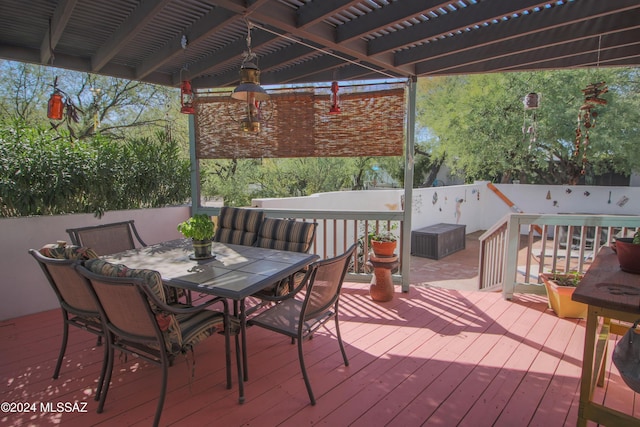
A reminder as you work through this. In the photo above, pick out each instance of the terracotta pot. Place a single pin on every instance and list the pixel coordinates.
(383, 248)
(560, 299)
(628, 255)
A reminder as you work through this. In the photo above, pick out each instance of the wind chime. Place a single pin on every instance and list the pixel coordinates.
(587, 119)
(530, 123)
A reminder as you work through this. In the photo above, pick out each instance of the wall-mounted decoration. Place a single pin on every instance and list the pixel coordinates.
(609, 201)
(568, 191)
(549, 195)
(623, 201)
(587, 194)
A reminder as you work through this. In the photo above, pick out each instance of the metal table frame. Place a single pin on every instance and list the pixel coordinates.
(235, 272)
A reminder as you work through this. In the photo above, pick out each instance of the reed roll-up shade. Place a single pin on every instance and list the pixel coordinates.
(298, 124)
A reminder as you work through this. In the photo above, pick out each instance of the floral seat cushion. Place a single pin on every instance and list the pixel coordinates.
(68, 252)
(181, 331)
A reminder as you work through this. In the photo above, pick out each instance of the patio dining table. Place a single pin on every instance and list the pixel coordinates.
(233, 271)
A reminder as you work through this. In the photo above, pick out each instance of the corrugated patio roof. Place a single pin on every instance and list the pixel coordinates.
(302, 41)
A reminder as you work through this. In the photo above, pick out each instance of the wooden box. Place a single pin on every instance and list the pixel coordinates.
(438, 241)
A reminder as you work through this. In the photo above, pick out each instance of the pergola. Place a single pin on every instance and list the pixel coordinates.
(310, 41)
(301, 41)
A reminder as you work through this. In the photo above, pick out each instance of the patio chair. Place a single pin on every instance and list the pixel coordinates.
(139, 322)
(238, 226)
(299, 319)
(107, 239)
(287, 235)
(76, 302)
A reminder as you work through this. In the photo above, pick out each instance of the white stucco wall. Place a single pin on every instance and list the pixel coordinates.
(24, 287)
(474, 205)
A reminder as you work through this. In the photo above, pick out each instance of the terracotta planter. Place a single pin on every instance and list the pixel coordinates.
(383, 249)
(560, 299)
(628, 255)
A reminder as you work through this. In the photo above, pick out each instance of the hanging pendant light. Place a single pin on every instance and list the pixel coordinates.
(335, 99)
(249, 90)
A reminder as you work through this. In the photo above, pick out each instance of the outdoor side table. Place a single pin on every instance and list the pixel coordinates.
(381, 288)
(611, 294)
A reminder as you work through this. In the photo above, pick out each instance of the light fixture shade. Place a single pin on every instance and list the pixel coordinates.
(249, 87)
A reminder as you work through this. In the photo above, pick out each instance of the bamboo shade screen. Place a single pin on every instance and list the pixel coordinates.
(299, 125)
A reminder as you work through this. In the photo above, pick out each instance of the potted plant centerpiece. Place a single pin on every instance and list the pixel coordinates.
(628, 250)
(200, 229)
(560, 288)
(382, 242)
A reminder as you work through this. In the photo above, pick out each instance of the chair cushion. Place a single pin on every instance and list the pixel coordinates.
(68, 252)
(168, 323)
(288, 235)
(238, 226)
(198, 326)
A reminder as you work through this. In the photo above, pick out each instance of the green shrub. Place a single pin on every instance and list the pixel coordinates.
(43, 174)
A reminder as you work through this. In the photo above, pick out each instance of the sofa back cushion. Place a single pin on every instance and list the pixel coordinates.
(238, 226)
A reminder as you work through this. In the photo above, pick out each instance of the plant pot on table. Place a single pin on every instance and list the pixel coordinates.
(628, 254)
(202, 248)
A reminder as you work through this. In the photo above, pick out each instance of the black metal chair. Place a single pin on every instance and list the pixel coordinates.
(138, 321)
(107, 239)
(299, 319)
(78, 306)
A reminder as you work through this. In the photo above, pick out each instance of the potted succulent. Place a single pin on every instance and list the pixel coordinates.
(628, 250)
(382, 242)
(200, 229)
(560, 288)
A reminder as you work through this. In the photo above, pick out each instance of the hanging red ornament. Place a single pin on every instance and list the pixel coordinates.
(55, 107)
(335, 99)
(186, 98)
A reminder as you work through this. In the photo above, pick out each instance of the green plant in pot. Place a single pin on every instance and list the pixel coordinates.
(628, 250)
(200, 229)
(560, 287)
(383, 242)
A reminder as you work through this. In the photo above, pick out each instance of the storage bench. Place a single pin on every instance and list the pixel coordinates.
(438, 241)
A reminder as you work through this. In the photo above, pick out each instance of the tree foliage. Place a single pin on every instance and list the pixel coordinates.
(479, 123)
(43, 174)
(108, 106)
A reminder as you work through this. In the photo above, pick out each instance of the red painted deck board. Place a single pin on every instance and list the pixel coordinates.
(428, 357)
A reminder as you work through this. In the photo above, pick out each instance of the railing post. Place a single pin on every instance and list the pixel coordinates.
(511, 258)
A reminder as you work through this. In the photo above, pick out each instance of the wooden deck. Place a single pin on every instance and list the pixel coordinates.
(428, 357)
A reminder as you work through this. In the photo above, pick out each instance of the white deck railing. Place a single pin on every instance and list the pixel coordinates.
(337, 230)
(531, 244)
